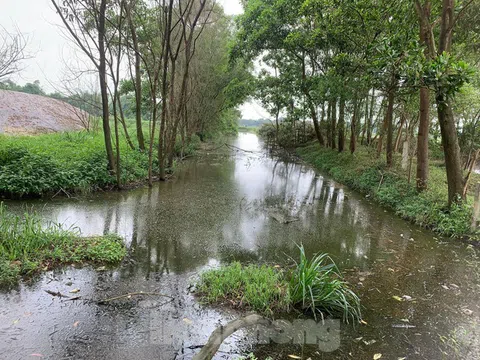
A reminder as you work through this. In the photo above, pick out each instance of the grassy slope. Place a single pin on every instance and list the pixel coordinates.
(363, 172)
(76, 161)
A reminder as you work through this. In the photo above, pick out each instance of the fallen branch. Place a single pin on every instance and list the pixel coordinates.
(57, 294)
(129, 295)
(239, 149)
(223, 332)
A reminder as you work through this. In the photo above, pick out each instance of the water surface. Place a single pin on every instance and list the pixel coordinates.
(224, 206)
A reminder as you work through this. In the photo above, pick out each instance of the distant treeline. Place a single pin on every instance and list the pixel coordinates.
(252, 122)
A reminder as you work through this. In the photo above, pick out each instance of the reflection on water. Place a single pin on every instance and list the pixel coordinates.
(222, 208)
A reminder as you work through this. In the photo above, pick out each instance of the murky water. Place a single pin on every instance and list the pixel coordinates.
(220, 208)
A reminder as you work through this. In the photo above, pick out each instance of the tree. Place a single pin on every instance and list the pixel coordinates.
(446, 76)
(12, 52)
(85, 21)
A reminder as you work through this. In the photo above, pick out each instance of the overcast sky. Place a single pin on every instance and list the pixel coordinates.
(39, 22)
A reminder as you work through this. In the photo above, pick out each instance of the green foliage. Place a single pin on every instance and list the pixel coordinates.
(446, 75)
(315, 285)
(71, 161)
(258, 288)
(27, 244)
(390, 188)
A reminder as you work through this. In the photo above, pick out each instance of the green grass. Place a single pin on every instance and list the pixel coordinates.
(364, 172)
(27, 245)
(314, 286)
(72, 162)
(317, 285)
(259, 288)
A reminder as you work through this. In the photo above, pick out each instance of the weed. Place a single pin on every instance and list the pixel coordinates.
(258, 288)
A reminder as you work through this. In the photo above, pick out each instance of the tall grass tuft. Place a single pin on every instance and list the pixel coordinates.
(24, 236)
(317, 285)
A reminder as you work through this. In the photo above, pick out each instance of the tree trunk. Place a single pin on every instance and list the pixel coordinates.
(470, 170)
(334, 122)
(102, 71)
(422, 141)
(389, 121)
(313, 113)
(329, 122)
(370, 119)
(166, 49)
(382, 131)
(341, 125)
(138, 80)
(451, 149)
(399, 133)
(353, 128)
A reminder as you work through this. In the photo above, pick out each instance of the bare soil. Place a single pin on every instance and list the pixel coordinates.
(27, 114)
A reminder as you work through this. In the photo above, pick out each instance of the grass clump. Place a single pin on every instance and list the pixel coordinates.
(364, 172)
(27, 245)
(260, 288)
(312, 285)
(317, 285)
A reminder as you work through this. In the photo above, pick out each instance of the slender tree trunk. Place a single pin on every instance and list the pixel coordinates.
(138, 79)
(399, 133)
(364, 127)
(316, 125)
(422, 140)
(161, 136)
(389, 121)
(370, 119)
(329, 122)
(334, 122)
(353, 127)
(470, 170)
(102, 70)
(341, 125)
(381, 135)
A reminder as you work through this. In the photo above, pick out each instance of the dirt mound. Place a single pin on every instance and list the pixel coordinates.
(22, 113)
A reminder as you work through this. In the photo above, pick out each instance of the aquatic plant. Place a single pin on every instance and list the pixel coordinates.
(28, 244)
(317, 285)
(314, 285)
(254, 287)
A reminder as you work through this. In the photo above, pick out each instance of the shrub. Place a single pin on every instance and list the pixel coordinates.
(364, 172)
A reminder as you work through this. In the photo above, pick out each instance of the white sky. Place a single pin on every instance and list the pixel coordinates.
(39, 22)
